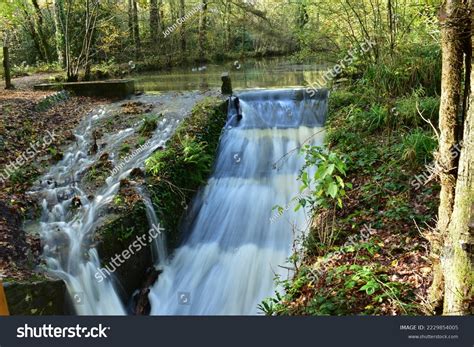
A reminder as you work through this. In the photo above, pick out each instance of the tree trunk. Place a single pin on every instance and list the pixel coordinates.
(458, 265)
(34, 35)
(183, 28)
(229, 26)
(136, 31)
(154, 21)
(59, 30)
(391, 26)
(453, 18)
(203, 32)
(6, 63)
(39, 28)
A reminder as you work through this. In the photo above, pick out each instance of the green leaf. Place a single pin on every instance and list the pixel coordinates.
(329, 170)
(332, 189)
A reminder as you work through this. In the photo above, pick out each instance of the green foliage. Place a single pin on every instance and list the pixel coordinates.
(417, 146)
(326, 186)
(409, 71)
(351, 286)
(341, 98)
(148, 126)
(125, 148)
(407, 111)
(192, 154)
(399, 209)
(176, 172)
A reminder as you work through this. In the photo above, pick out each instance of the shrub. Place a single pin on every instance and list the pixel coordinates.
(406, 111)
(417, 147)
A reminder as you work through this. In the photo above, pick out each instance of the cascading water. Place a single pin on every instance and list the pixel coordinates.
(67, 232)
(235, 246)
(159, 249)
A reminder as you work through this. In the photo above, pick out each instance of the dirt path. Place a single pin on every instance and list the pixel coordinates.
(27, 82)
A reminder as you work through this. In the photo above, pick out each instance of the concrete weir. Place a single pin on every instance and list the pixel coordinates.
(105, 89)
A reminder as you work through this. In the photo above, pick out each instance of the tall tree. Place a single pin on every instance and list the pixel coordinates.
(29, 23)
(6, 61)
(38, 21)
(457, 267)
(183, 27)
(75, 60)
(136, 31)
(58, 15)
(203, 31)
(130, 21)
(154, 21)
(449, 248)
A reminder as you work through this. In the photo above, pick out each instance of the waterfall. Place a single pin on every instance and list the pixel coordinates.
(234, 245)
(159, 249)
(67, 232)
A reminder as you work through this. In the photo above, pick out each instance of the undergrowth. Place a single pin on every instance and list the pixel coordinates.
(376, 260)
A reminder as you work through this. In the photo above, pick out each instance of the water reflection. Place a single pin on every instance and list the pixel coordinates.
(265, 73)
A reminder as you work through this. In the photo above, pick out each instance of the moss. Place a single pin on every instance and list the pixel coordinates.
(149, 125)
(37, 296)
(116, 234)
(97, 173)
(177, 172)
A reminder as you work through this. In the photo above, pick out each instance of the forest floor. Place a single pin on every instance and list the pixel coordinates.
(33, 129)
(24, 83)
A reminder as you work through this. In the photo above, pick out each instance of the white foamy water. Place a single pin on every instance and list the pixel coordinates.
(67, 233)
(228, 260)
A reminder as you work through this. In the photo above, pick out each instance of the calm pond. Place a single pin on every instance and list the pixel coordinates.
(265, 73)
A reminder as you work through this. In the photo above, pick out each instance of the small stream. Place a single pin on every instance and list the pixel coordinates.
(67, 231)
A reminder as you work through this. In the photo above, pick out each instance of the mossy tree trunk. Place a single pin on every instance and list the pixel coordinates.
(455, 25)
(457, 267)
(38, 22)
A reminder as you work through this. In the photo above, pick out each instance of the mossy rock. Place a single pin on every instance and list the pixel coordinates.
(177, 180)
(38, 296)
(115, 235)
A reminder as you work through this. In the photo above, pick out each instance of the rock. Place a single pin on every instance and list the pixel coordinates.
(226, 88)
(137, 173)
(143, 306)
(41, 296)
